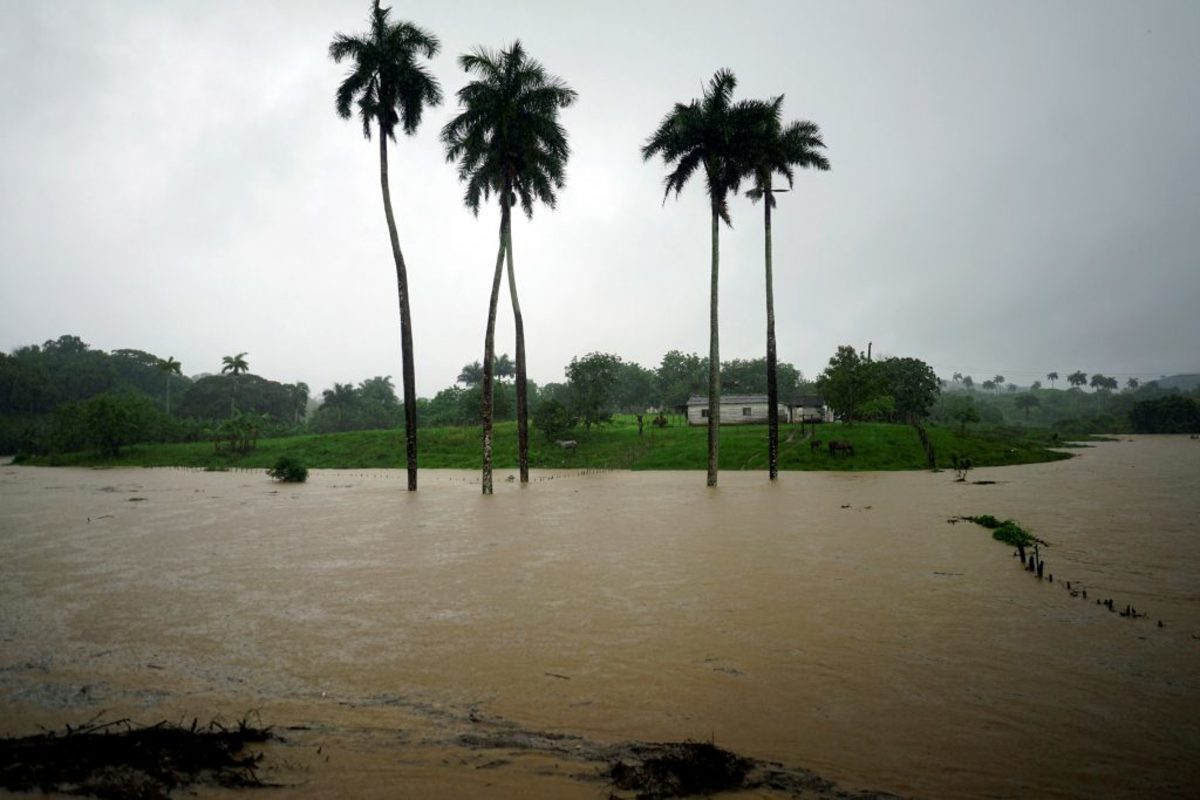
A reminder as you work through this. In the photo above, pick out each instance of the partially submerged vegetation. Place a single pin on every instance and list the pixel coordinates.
(876, 446)
(118, 759)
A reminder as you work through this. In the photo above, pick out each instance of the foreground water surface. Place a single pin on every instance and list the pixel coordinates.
(834, 621)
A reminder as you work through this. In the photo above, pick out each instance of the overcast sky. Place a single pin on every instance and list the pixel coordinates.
(1015, 188)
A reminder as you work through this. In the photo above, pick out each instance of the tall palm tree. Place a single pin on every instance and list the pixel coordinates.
(779, 150)
(171, 367)
(1052, 377)
(390, 87)
(508, 142)
(234, 365)
(716, 135)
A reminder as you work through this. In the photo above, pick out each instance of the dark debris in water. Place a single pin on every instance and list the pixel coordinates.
(678, 769)
(120, 760)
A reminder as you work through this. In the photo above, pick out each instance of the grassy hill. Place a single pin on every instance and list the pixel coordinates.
(615, 446)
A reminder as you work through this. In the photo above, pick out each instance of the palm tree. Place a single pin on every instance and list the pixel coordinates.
(716, 135)
(778, 150)
(342, 398)
(390, 87)
(171, 367)
(234, 365)
(1052, 377)
(508, 142)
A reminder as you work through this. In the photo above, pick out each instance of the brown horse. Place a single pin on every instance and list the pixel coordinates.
(840, 445)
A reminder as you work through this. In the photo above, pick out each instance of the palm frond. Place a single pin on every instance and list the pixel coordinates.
(386, 81)
(506, 139)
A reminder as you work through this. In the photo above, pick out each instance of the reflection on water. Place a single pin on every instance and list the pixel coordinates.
(833, 621)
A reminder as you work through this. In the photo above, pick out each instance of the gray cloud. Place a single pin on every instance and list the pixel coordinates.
(1014, 188)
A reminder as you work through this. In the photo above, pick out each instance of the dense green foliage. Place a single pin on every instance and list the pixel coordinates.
(1072, 411)
(106, 423)
(891, 389)
(592, 380)
(288, 470)
(1170, 414)
(1006, 531)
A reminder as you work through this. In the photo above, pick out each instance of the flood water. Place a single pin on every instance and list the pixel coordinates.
(834, 621)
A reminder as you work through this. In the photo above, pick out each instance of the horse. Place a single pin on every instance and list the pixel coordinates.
(814, 446)
(840, 445)
(568, 445)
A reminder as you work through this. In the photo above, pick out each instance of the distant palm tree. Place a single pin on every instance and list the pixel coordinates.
(390, 87)
(778, 150)
(234, 365)
(968, 382)
(957, 377)
(340, 399)
(170, 366)
(998, 383)
(1132, 384)
(718, 136)
(1052, 377)
(508, 142)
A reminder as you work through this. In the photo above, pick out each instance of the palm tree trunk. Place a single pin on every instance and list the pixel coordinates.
(522, 394)
(772, 375)
(406, 343)
(489, 352)
(714, 360)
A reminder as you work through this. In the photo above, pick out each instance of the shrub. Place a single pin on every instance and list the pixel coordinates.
(288, 470)
(553, 419)
(1010, 532)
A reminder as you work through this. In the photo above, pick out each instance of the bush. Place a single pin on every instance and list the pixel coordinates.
(1010, 532)
(553, 419)
(288, 470)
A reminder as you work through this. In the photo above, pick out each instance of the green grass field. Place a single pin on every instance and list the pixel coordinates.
(615, 446)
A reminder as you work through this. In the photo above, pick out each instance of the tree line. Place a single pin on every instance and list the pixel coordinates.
(64, 394)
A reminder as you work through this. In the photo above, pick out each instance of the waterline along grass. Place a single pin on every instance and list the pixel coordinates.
(877, 446)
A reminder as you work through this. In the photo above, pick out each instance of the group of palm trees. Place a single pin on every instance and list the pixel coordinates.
(507, 141)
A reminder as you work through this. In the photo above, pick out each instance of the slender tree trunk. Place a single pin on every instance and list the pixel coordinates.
(406, 342)
(489, 351)
(168, 395)
(522, 388)
(772, 375)
(714, 361)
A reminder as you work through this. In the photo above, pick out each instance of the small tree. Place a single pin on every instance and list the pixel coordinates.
(288, 470)
(553, 419)
(965, 414)
(1026, 402)
(592, 380)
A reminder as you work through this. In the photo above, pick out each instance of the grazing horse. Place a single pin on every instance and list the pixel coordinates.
(568, 445)
(814, 446)
(840, 445)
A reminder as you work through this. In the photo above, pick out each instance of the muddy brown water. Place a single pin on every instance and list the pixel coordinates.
(834, 622)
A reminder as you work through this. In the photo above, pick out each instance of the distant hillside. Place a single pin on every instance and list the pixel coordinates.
(1184, 383)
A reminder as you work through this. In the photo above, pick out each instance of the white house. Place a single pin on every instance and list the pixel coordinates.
(809, 408)
(736, 409)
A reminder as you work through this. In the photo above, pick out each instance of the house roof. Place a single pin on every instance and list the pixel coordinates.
(808, 400)
(728, 399)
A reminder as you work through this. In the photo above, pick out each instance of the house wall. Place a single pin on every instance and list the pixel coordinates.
(811, 414)
(736, 414)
